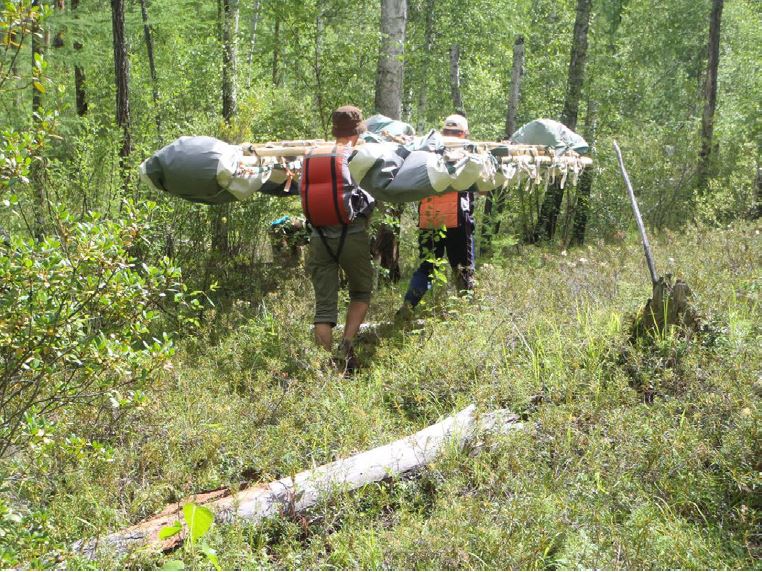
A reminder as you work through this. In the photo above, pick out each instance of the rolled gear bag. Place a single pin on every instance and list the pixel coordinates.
(209, 171)
(551, 134)
(329, 195)
(187, 168)
(381, 124)
(409, 173)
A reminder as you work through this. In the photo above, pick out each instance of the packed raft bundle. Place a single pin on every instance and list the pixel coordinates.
(389, 162)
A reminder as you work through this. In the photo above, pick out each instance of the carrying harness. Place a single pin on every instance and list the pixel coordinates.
(324, 187)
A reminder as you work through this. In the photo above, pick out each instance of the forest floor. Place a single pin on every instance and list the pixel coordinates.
(634, 456)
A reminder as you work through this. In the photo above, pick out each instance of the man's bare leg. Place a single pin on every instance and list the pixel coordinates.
(355, 316)
(323, 335)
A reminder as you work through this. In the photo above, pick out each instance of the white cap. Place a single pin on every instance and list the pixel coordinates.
(456, 122)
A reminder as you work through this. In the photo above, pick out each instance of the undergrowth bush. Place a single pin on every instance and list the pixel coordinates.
(77, 313)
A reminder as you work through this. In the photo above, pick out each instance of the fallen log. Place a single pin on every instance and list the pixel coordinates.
(307, 488)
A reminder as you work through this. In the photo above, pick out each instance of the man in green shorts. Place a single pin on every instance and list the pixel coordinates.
(338, 211)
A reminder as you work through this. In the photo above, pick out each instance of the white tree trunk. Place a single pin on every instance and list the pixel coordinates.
(389, 72)
(307, 488)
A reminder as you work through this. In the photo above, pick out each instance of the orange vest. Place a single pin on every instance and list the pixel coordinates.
(326, 186)
(439, 210)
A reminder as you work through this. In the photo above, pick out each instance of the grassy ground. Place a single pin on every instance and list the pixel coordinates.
(641, 456)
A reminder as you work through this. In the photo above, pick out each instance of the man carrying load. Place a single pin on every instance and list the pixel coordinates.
(338, 211)
(446, 224)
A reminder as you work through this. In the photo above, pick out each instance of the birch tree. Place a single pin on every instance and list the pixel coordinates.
(710, 95)
(230, 15)
(389, 77)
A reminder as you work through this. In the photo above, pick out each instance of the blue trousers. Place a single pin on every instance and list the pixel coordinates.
(458, 243)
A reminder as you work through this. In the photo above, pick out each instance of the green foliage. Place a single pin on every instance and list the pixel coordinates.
(644, 458)
(75, 328)
(198, 520)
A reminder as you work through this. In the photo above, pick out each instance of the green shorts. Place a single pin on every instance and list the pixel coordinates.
(323, 270)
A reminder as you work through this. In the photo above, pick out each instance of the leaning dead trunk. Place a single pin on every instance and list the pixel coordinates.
(306, 489)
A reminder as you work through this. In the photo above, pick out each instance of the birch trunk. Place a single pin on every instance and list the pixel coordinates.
(710, 96)
(295, 495)
(316, 66)
(388, 101)
(390, 69)
(230, 12)
(253, 39)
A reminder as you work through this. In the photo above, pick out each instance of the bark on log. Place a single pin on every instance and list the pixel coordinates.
(307, 488)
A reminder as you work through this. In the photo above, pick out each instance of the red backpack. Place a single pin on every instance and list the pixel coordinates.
(326, 186)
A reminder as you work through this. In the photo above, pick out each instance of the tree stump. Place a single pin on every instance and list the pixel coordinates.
(669, 306)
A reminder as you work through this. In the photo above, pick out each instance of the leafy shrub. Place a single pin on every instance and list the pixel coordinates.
(75, 313)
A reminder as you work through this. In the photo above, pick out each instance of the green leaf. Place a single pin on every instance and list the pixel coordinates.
(170, 530)
(173, 565)
(39, 87)
(211, 555)
(198, 519)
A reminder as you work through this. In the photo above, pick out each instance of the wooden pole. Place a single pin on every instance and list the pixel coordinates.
(638, 218)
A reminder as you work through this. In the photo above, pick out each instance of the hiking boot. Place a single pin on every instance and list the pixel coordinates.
(347, 359)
